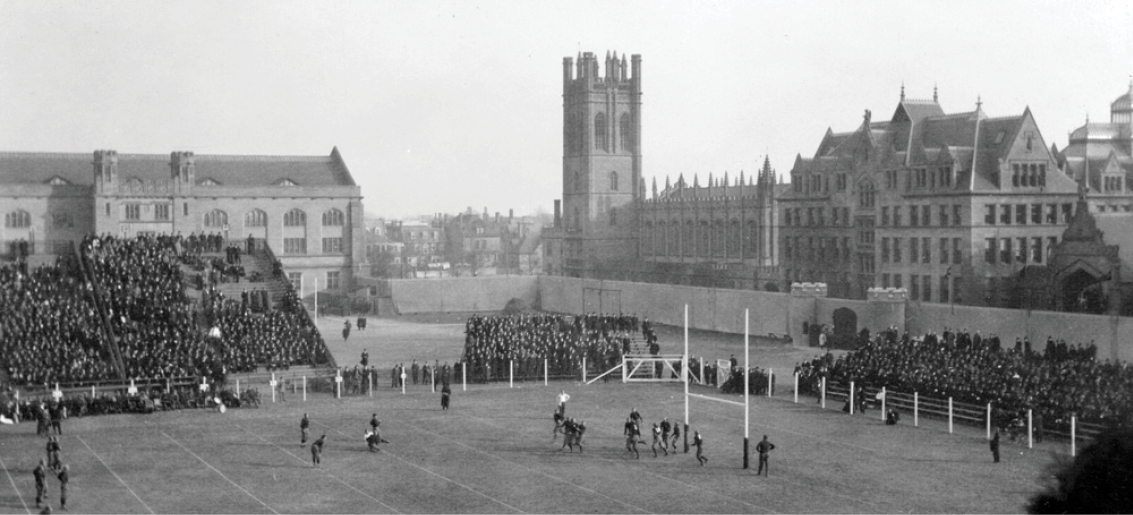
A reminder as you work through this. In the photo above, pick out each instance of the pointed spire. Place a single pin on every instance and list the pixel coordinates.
(934, 97)
(654, 186)
(902, 91)
(668, 186)
(681, 180)
(695, 180)
(740, 179)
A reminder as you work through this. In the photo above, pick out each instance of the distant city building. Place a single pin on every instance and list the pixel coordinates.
(307, 208)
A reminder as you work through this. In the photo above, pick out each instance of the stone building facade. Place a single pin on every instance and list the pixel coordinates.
(950, 207)
(307, 208)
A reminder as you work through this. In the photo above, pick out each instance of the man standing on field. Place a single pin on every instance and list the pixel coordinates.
(764, 449)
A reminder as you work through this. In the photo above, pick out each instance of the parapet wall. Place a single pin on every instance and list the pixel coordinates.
(778, 313)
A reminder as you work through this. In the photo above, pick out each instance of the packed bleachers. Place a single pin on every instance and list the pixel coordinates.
(1056, 384)
(60, 327)
(50, 330)
(492, 342)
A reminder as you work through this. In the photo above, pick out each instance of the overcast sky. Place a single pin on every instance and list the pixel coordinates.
(438, 106)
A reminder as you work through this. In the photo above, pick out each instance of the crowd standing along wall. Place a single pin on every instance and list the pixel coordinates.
(462, 294)
(1112, 335)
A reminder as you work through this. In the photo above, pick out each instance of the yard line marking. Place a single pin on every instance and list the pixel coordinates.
(453, 481)
(332, 476)
(219, 472)
(17, 490)
(462, 444)
(115, 474)
(694, 487)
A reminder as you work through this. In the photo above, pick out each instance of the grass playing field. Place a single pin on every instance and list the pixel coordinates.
(493, 452)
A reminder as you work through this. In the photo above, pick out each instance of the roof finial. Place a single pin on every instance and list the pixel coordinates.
(979, 103)
(902, 91)
(934, 98)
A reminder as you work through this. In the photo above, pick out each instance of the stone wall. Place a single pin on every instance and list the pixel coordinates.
(460, 294)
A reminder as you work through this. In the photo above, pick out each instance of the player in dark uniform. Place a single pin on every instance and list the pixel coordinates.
(40, 473)
(569, 430)
(635, 416)
(631, 433)
(304, 427)
(764, 449)
(374, 437)
(676, 436)
(53, 453)
(317, 450)
(446, 393)
(699, 443)
(994, 444)
(559, 423)
(665, 428)
(64, 476)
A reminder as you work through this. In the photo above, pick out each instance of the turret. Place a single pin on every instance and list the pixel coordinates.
(183, 171)
(106, 171)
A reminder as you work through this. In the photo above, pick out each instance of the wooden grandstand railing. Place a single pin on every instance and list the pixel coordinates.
(104, 326)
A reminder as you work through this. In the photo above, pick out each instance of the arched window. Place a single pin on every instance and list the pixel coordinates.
(613, 216)
(577, 182)
(255, 218)
(613, 181)
(18, 219)
(334, 217)
(625, 133)
(295, 218)
(216, 218)
(600, 132)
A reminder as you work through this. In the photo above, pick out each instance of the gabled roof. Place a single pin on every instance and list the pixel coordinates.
(229, 170)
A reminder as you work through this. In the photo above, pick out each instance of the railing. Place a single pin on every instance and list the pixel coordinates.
(107, 331)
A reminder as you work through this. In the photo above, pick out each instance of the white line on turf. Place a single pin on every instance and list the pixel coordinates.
(207, 464)
(580, 487)
(332, 476)
(17, 490)
(115, 474)
(457, 483)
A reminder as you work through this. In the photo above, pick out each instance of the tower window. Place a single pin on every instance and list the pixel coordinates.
(625, 133)
(295, 218)
(613, 181)
(613, 216)
(216, 218)
(600, 142)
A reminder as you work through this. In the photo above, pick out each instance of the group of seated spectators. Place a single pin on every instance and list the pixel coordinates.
(493, 342)
(133, 313)
(1063, 381)
(50, 330)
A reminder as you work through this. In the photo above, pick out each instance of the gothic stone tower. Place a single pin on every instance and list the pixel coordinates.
(601, 161)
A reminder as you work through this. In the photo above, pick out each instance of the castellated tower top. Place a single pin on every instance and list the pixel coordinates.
(614, 70)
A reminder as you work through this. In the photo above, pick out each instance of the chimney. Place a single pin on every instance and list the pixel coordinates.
(497, 217)
(558, 213)
(510, 214)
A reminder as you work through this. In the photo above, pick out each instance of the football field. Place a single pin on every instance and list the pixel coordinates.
(493, 453)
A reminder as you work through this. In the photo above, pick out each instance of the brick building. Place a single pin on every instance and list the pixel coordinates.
(307, 208)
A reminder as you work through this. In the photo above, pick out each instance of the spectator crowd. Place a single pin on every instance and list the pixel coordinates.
(492, 342)
(1063, 380)
(125, 301)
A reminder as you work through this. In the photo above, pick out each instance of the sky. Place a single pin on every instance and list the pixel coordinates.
(439, 106)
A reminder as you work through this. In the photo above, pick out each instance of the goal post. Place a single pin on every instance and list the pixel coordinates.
(746, 404)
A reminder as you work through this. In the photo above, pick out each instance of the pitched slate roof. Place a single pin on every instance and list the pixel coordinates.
(227, 170)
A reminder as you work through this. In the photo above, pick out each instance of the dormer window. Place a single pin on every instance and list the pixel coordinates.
(58, 181)
(288, 182)
(210, 182)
